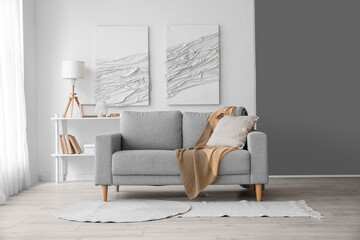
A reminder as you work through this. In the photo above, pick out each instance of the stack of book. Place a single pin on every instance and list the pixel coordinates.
(69, 145)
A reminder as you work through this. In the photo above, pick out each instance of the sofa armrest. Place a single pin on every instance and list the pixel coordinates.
(105, 146)
(257, 146)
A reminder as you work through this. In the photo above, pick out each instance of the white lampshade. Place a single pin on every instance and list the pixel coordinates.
(73, 69)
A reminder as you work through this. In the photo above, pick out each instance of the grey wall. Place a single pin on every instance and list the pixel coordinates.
(308, 84)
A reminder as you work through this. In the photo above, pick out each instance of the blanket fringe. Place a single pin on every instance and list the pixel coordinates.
(304, 207)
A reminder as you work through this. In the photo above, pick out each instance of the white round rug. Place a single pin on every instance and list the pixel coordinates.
(122, 210)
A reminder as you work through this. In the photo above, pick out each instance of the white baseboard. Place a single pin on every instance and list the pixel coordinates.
(34, 179)
(90, 177)
(315, 176)
(47, 178)
(69, 177)
(80, 177)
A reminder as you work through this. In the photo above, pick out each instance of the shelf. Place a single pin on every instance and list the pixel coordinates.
(65, 119)
(73, 155)
(60, 124)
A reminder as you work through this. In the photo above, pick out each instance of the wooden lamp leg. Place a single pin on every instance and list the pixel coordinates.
(104, 192)
(78, 103)
(72, 106)
(70, 103)
(117, 188)
(258, 192)
(67, 107)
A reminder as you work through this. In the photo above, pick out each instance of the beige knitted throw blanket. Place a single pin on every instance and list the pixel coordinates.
(199, 165)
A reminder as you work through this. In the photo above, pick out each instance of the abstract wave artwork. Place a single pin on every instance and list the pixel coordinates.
(122, 65)
(192, 64)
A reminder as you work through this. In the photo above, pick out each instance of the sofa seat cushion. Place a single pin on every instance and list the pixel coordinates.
(163, 162)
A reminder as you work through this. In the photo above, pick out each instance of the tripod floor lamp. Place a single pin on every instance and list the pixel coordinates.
(72, 70)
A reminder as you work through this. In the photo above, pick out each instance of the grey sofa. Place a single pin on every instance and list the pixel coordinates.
(143, 152)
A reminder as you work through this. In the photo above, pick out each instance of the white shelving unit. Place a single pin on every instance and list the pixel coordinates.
(61, 122)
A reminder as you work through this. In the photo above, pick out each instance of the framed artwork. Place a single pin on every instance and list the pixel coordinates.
(192, 64)
(122, 65)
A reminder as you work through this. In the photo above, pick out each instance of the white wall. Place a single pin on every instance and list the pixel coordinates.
(65, 30)
(31, 85)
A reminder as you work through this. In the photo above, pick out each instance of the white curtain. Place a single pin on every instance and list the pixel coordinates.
(14, 159)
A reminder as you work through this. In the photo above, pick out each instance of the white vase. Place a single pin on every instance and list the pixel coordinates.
(101, 109)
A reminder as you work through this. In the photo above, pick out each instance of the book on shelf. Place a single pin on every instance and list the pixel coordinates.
(63, 144)
(69, 144)
(75, 144)
(70, 148)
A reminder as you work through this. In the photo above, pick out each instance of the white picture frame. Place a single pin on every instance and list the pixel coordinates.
(88, 110)
(122, 65)
(193, 64)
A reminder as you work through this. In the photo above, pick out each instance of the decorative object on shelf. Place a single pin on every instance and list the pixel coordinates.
(88, 111)
(114, 115)
(122, 65)
(69, 145)
(89, 148)
(101, 109)
(72, 70)
(192, 60)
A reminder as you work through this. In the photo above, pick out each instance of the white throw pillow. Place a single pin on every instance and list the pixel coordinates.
(232, 131)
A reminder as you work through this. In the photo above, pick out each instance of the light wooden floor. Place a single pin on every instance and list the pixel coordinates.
(29, 215)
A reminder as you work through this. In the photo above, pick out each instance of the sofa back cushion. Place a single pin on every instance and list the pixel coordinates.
(151, 130)
(194, 123)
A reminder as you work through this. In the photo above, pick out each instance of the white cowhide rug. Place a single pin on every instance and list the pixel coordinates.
(147, 210)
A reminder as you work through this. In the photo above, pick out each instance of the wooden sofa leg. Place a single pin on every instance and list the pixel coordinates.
(252, 187)
(104, 192)
(117, 188)
(258, 192)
